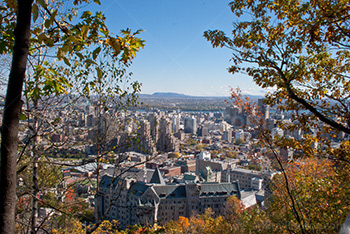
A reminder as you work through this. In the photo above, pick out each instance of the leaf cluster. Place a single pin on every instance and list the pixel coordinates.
(297, 49)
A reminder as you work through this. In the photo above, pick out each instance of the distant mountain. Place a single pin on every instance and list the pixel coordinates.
(181, 96)
(176, 101)
(169, 94)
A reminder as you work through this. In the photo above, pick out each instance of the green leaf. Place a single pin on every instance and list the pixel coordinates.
(66, 61)
(49, 42)
(96, 52)
(99, 73)
(35, 10)
(86, 14)
(12, 4)
(41, 37)
(47, 23)
(70, 17)
(84, 31)
(97, 2)
(2, 47)
(52, 17)
(22, 117)
(42, 3)
(90, 61)
(80, 55)
(61, 52)
(74, 39)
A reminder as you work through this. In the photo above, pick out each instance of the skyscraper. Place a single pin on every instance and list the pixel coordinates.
(190, 125)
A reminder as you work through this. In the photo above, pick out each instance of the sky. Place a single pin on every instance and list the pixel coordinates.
(177, 58)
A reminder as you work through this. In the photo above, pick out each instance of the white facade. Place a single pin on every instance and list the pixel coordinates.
(256, 183)
(239, 134)
(204, 155)
(176, 123)
(276, 132)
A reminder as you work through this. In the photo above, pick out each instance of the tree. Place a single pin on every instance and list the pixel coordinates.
(9, 131)
(300, 50)
(240, 141)
(65, 36)
(322, 197)
(179, 226)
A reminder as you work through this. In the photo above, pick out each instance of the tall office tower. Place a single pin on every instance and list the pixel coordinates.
(166, 141)
(176, 123)
(146, 142)
(235, 116)
(190, 125)
(264, 109)
(228, 135)
(164, 135)
(203, 131)
(153, 119)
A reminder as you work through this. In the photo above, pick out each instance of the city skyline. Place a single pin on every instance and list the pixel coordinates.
(177, 58)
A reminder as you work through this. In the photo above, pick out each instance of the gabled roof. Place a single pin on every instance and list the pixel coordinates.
(107, 181)
(157, 178)
(138, 188)
(170, 191)
(219, 189)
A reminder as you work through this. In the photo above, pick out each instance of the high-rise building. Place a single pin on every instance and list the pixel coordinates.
(190, 125)
(263, 109)
(228, 135)
(166, 141)
(153, 119)
(203, 131)
(146, 144)
(176, 123)
(235, 116)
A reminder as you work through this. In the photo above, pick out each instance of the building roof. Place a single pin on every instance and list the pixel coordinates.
(89, 167)
(218, 189)
(107, 181)
(189, 177)
(157, 178)
(138, 188)
(171, 191)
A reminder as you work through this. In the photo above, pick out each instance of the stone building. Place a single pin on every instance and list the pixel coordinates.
(153, 119)
(136, 202)
(166, 141)
(244, 177)
(146, 144)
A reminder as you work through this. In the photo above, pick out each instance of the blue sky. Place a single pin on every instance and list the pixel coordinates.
(176, 57)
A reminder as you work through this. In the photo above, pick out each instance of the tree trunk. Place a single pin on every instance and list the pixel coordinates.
(35, 175)
(9, 133)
